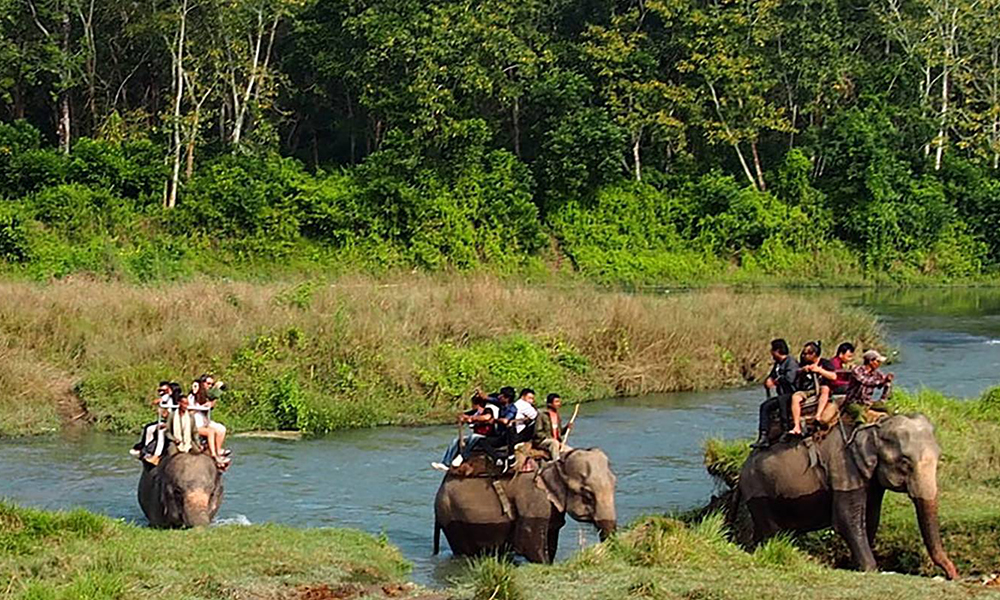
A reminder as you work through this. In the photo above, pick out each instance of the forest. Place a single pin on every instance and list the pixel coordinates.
(628, 141)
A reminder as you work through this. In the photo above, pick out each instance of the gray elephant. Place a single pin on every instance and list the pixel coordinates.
(841, 482)
(524, 513)
(184, 490)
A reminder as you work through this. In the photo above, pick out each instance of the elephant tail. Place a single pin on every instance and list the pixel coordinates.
(437, 537)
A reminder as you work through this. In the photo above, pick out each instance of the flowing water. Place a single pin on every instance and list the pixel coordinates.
(379, 480)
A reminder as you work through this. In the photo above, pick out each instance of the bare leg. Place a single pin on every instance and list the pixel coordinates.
(209, 434)
(797, 398)
(220, 431)
(824, 399)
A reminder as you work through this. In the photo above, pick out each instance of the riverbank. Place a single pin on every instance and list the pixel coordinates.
(317, 356)
(968, 432)
(83, 556)
(660, 558)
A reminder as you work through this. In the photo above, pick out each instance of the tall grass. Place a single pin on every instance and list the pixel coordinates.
(317, 356)
(494, 578)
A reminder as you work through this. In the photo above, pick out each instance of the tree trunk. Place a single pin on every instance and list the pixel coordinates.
(927, 96)
(515, 117)
(171, 200)
(350, 126)
(927, 518)
(636, 159)
(756, 165)
(65, 119)
(943, 126)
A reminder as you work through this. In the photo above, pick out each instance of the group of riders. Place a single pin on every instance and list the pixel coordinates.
(185, 421)
(499, 422)
(793, 383)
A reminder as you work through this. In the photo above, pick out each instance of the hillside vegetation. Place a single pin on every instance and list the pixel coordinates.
(833, 141)
(355, 352)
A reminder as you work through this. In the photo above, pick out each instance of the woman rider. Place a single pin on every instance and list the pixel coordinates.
(214, 433)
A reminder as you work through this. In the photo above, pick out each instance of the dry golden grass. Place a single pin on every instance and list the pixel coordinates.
(358, 346)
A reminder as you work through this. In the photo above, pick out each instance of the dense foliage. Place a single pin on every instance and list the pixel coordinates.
(641, 140)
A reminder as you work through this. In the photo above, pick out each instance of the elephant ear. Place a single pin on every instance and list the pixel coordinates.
(552, 479)
(865, 451)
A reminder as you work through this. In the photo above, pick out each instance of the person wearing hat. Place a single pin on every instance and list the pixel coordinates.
(865, 379)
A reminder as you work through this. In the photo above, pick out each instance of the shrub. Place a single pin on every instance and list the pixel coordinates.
(494, 578)
(14, 245)
(132, 169)
(248, 201)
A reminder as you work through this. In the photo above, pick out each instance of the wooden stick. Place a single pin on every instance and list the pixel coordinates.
(569, 430)
(461, 437)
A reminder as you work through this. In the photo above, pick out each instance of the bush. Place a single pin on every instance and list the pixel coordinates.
(131, 169)
(24, 165)
(14, 245)
(476, 210)
(494, 578)
(250, 202)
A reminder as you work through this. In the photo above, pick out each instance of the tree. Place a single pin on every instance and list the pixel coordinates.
(726, 61)
(636, 83)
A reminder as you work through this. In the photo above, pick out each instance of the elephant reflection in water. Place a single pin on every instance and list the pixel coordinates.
(184, 490)
(470, 512)
(843, 483)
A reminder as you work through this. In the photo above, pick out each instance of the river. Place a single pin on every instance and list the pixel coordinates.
(379, 480)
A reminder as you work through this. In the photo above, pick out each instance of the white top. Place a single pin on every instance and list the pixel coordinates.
(199, 411)
(525, 412)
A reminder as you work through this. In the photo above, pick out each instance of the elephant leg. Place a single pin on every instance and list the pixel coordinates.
(555, 524)
(849, 522)
(873, 511)
(764, 525)
(530, 539)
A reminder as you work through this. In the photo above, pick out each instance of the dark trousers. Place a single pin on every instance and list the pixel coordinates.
(509, 438)
(782, 403)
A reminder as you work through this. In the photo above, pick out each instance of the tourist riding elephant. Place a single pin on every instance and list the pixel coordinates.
(841, 482)
(184, 490)
(525, 512)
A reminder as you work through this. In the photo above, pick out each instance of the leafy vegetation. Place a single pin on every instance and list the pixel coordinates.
(322, 355)
(640, 143)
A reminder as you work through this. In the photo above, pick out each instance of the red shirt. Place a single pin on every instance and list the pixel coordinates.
(843, 374)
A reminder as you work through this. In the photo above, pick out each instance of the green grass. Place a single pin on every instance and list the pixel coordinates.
(81, 556)
(663, 558)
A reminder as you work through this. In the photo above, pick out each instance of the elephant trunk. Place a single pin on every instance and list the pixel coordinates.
(196, 509)
(606, 528)
(927, 517)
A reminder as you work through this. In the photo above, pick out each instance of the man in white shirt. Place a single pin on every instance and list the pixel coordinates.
(526, 412)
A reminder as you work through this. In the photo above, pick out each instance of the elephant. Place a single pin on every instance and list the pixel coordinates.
(841, 480)
(184, 490)
(472, 515)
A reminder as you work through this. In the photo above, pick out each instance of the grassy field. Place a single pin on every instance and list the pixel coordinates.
(82, 556)
(660, 558)
(969, 491)
(320, 355)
